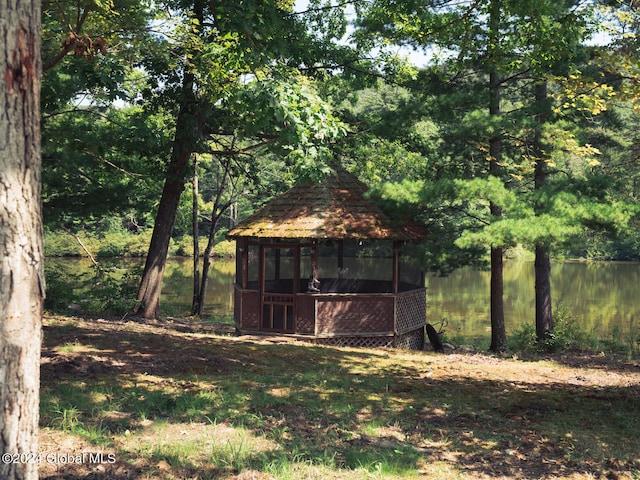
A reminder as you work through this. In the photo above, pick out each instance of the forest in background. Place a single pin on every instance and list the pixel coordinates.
(168, 118)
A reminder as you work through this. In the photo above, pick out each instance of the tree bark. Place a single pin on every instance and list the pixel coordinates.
(544, 313)
(195, 213)
(498, 330)
(21, 243)
(206, 266)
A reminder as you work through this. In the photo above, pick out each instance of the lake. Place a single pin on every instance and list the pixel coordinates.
(603, 296)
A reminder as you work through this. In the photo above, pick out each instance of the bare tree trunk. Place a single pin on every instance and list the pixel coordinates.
(196, 236)
(218, 209)
(544, 313)
(498, 331)
(151, 283)
(206, 266)
(21, 244)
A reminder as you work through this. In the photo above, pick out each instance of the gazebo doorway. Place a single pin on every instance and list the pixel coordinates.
(285, 270)
(278, 288)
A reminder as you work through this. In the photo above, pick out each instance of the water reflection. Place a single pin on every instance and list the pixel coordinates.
(602, 296)
(177, 290)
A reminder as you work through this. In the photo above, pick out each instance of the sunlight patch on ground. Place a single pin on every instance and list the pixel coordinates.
(195, 445)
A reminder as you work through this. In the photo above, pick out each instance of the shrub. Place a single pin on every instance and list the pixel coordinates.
(138, 244)
(113, 244)
(102, 290)
(121, 243)
(61, 244)
(58, 287)
(183, 247)
(567, 334)
(524, 339)
(226, 248)
(627, 339)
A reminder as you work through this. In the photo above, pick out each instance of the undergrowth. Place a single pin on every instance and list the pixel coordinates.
(569, 334)
(118, 242)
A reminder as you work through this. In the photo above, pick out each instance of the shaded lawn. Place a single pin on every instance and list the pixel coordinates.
(167, 401)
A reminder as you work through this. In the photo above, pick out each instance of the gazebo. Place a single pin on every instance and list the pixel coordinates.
(323, 263)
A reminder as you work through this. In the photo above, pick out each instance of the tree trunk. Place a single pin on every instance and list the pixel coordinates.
(187, 132)
(544, 314)
(498, 330)
(196, 236)
(21, 244)
(218, 209)
(151, 283)
(206, 266)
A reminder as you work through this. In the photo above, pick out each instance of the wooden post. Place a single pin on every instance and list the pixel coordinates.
(296, 269)
(244, 256)
(277, 264)
(261, 280)
(396, 270)
(314, 259)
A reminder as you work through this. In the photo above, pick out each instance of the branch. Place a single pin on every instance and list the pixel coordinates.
(87, 111)
(470, 215)
(111, 164)
(86, 250)
(241, 151)
(57, 58)
(323, 9)
(68, 46)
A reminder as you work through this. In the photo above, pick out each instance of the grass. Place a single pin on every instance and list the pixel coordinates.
(173, 403)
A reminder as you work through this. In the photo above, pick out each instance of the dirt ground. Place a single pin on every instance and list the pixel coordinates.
(92, 348)
(586, 369)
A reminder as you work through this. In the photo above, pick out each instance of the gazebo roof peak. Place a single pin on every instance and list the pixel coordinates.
(336, 208)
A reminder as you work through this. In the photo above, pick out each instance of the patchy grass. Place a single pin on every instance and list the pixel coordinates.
(174, 401)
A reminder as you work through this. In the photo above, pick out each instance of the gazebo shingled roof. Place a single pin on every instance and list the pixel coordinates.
(334, 209)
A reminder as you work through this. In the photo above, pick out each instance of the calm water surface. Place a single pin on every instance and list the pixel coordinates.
(601, 295)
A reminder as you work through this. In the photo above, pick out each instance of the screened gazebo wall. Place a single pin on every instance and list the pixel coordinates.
(360, 301)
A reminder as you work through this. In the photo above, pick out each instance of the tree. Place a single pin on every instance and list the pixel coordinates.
(529, 56)
(99, 159)
(498, 329)
(226, 189)
(542, 264)
(21, 243)
(100, 163)
(186, 134)
(233, 76)
(551, 38)
(475, 33)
